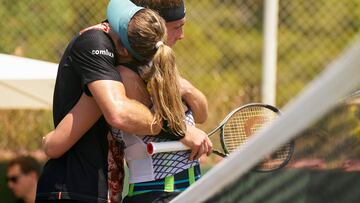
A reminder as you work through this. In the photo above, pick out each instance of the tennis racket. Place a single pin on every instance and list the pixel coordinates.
(234, 130)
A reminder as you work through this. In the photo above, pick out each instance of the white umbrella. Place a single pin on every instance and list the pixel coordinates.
(26, 83)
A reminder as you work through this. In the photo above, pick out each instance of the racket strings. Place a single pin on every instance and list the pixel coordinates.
(245, 123)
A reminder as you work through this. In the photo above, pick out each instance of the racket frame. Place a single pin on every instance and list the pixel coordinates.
(222, 138)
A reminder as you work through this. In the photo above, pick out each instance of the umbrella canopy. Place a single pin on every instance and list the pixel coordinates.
(26, 83)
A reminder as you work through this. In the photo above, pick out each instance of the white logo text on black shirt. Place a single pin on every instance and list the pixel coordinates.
(102, 52)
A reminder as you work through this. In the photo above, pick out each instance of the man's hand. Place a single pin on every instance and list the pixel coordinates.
(198, 141)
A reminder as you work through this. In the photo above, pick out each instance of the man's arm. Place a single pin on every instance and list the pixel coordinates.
(195, 99)
(108, 99)
(120, 111)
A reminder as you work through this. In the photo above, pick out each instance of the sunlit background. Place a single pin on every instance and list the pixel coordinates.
(221, 55)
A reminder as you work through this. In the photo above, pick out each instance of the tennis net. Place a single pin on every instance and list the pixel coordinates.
(230, 180)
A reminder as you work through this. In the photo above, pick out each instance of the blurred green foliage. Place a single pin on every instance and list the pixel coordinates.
(41, 29)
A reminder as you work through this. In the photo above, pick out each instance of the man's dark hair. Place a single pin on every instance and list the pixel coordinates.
(157, 5)
(27, 164)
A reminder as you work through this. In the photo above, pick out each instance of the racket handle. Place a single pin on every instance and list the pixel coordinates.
(158, 147)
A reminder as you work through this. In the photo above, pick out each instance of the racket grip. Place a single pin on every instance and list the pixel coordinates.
(158, 147)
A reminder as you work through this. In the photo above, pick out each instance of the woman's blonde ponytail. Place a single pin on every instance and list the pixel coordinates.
(165, 89)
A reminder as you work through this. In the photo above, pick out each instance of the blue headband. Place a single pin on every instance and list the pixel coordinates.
(119, 14)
